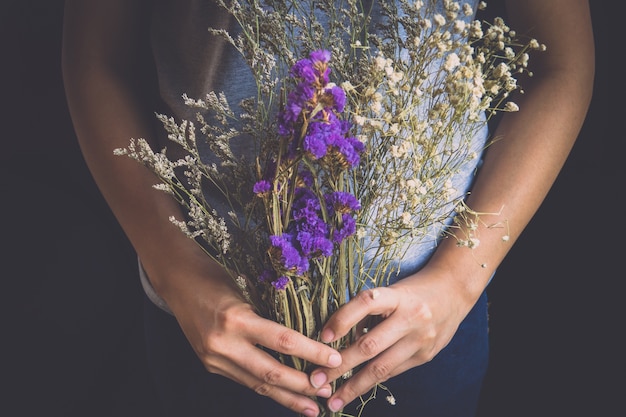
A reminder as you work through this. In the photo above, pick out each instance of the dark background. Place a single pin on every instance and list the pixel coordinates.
(71, 302)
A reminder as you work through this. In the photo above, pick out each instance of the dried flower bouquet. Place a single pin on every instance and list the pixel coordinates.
(360, 128)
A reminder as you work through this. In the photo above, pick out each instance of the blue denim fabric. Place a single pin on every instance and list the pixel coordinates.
(447, 386)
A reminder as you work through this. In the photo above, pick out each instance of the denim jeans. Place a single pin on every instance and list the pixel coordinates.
(447, 386)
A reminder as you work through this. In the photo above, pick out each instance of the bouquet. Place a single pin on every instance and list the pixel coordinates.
(364, 119)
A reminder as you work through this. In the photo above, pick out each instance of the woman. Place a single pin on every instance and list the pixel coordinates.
(432, 343)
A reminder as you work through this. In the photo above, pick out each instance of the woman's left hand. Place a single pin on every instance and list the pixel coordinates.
(418, 317)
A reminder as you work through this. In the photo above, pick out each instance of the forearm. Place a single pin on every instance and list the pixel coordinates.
(109, 105)
(529, 151)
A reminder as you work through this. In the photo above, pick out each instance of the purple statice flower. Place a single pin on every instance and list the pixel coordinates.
(306, 205)
(261, 187)
(281, 282)
(311, 230)
(320, 55)
(303, 69)
(313, 70)
(298, 100)
(332, 132)
(337, 98)
(289, 257)
(320, 135)
(351, 151)
(350, 148)
(314, 244)
(342, 202)
(315, 144)
(320, 59)
(345, 204)
(347, 229)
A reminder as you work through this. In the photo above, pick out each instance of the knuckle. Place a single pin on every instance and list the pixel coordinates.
(368, 296)
(272, 377)
(264, 389)
(367, 346)
(230, 319)
(213, 345)
(287, 341)
(380, 371)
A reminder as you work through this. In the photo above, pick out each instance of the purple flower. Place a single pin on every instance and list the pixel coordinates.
(342, 202)
(303, 69)
(321, 134)
(281, 283)
(286, 255)
(338, 98)
(261, 187)
(320, 59)
(313, 70)
(351, 149)
(320, 55)
(315, 145)
(348, 228)
(314, 244)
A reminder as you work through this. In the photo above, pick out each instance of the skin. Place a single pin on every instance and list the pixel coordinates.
(103, 46)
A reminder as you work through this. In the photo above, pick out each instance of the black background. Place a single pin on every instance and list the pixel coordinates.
(71, 302)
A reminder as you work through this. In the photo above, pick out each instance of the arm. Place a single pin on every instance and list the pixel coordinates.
(518, 171)
(103, 46)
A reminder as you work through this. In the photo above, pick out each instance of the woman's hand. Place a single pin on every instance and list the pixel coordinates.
(229, 338)
(417, 318)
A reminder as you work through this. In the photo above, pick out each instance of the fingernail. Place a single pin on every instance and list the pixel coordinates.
(309, 412)
(327, 336)
(334, 360)
(318, 379)
(335, 404)
(324, 392)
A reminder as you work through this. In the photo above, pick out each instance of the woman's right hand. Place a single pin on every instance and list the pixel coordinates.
(229, 338)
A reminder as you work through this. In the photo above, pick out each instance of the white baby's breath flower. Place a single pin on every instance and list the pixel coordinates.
(407, 219)
(511, 106)
(347, 86)
(459, 26)
(380, 62)
(439, 19)
(452, 61)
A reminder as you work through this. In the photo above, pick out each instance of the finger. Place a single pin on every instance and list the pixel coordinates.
(295, 401)
(269, 372)
(388, 364)
(366, 347)
(259, 371)
(290, 342)
(375, 301)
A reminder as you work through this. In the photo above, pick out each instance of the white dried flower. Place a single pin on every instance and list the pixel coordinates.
(452, 61)
(511, 107)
